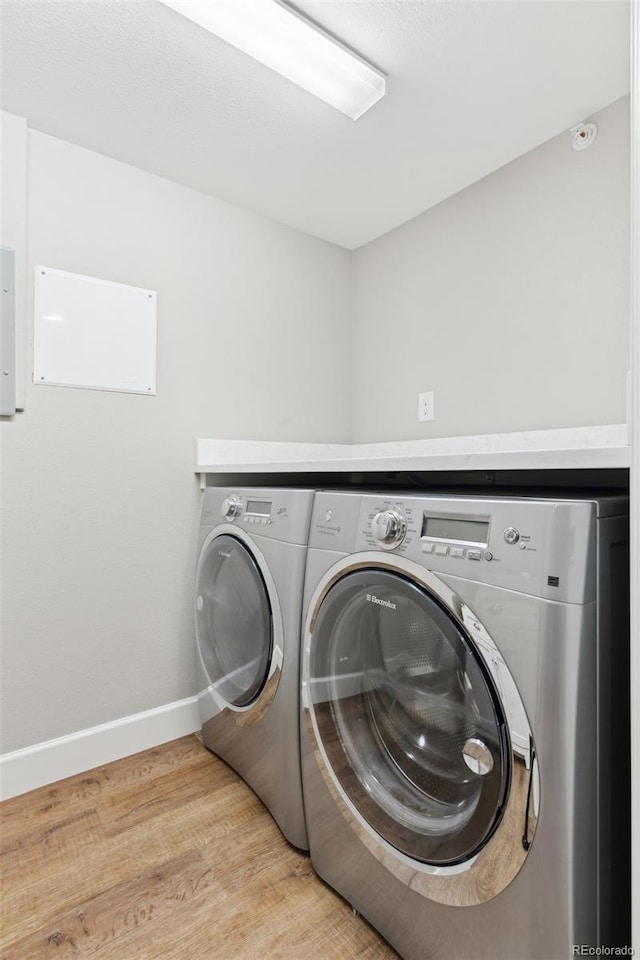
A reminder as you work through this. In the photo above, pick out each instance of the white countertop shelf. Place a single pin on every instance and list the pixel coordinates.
(563, 449)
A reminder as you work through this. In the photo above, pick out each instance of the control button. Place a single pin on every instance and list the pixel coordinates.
(523, 546)
(511, 535)
(427, 547)
(488, 555)
(442, 549)
(456, 552)
(474, 555)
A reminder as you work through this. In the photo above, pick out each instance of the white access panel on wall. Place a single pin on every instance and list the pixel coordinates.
(94, 333)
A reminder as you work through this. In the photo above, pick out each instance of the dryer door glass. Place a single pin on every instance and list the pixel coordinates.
(233, 621)
(408, 717)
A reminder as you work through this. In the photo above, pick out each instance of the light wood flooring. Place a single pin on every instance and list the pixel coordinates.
(162, 856)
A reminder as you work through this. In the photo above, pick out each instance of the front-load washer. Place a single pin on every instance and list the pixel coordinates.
(249, 584)
(465, 720)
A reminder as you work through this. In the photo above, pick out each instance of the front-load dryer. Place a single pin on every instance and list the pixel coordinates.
(249, 584)
(465, 720)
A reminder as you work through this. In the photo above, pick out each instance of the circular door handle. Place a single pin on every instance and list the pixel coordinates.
(477, 756)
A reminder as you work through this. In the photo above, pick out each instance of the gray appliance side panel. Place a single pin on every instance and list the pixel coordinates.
(614, 746)
(266, 754)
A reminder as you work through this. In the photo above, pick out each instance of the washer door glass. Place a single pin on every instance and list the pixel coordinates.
(233, 621)
(408, 717)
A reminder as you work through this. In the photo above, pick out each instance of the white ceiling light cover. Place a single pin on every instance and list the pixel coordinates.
(274, 34)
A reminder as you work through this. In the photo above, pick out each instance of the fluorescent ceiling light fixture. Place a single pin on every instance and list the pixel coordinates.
(276, 35)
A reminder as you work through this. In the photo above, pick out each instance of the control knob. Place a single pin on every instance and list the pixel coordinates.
(511, 535)
(231, 507)
(389, 527)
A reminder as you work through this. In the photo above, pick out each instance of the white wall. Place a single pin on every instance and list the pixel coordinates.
(100, 499)
(510, 300)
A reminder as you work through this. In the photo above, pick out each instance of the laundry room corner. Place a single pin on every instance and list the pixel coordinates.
(320, 479)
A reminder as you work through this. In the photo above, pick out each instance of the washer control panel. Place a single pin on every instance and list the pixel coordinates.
(433, 528)
(524, 544)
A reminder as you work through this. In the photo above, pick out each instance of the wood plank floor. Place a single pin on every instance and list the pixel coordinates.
(162, 856)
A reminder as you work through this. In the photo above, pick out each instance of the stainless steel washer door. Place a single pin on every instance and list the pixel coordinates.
(409, 717)
(234, 624)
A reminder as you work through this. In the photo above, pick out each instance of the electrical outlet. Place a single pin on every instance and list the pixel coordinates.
(425, 406)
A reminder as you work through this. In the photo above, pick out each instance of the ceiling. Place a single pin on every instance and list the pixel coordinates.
(472, 85)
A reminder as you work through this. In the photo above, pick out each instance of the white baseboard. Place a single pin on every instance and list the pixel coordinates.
(44, 763)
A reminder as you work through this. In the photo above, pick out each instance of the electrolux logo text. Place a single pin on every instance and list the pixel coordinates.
(371, 598)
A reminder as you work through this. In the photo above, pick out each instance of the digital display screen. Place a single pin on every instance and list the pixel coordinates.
(260, 507)
(456, 528)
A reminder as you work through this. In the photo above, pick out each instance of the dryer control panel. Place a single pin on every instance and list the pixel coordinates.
(280, 514)
(251, 509)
